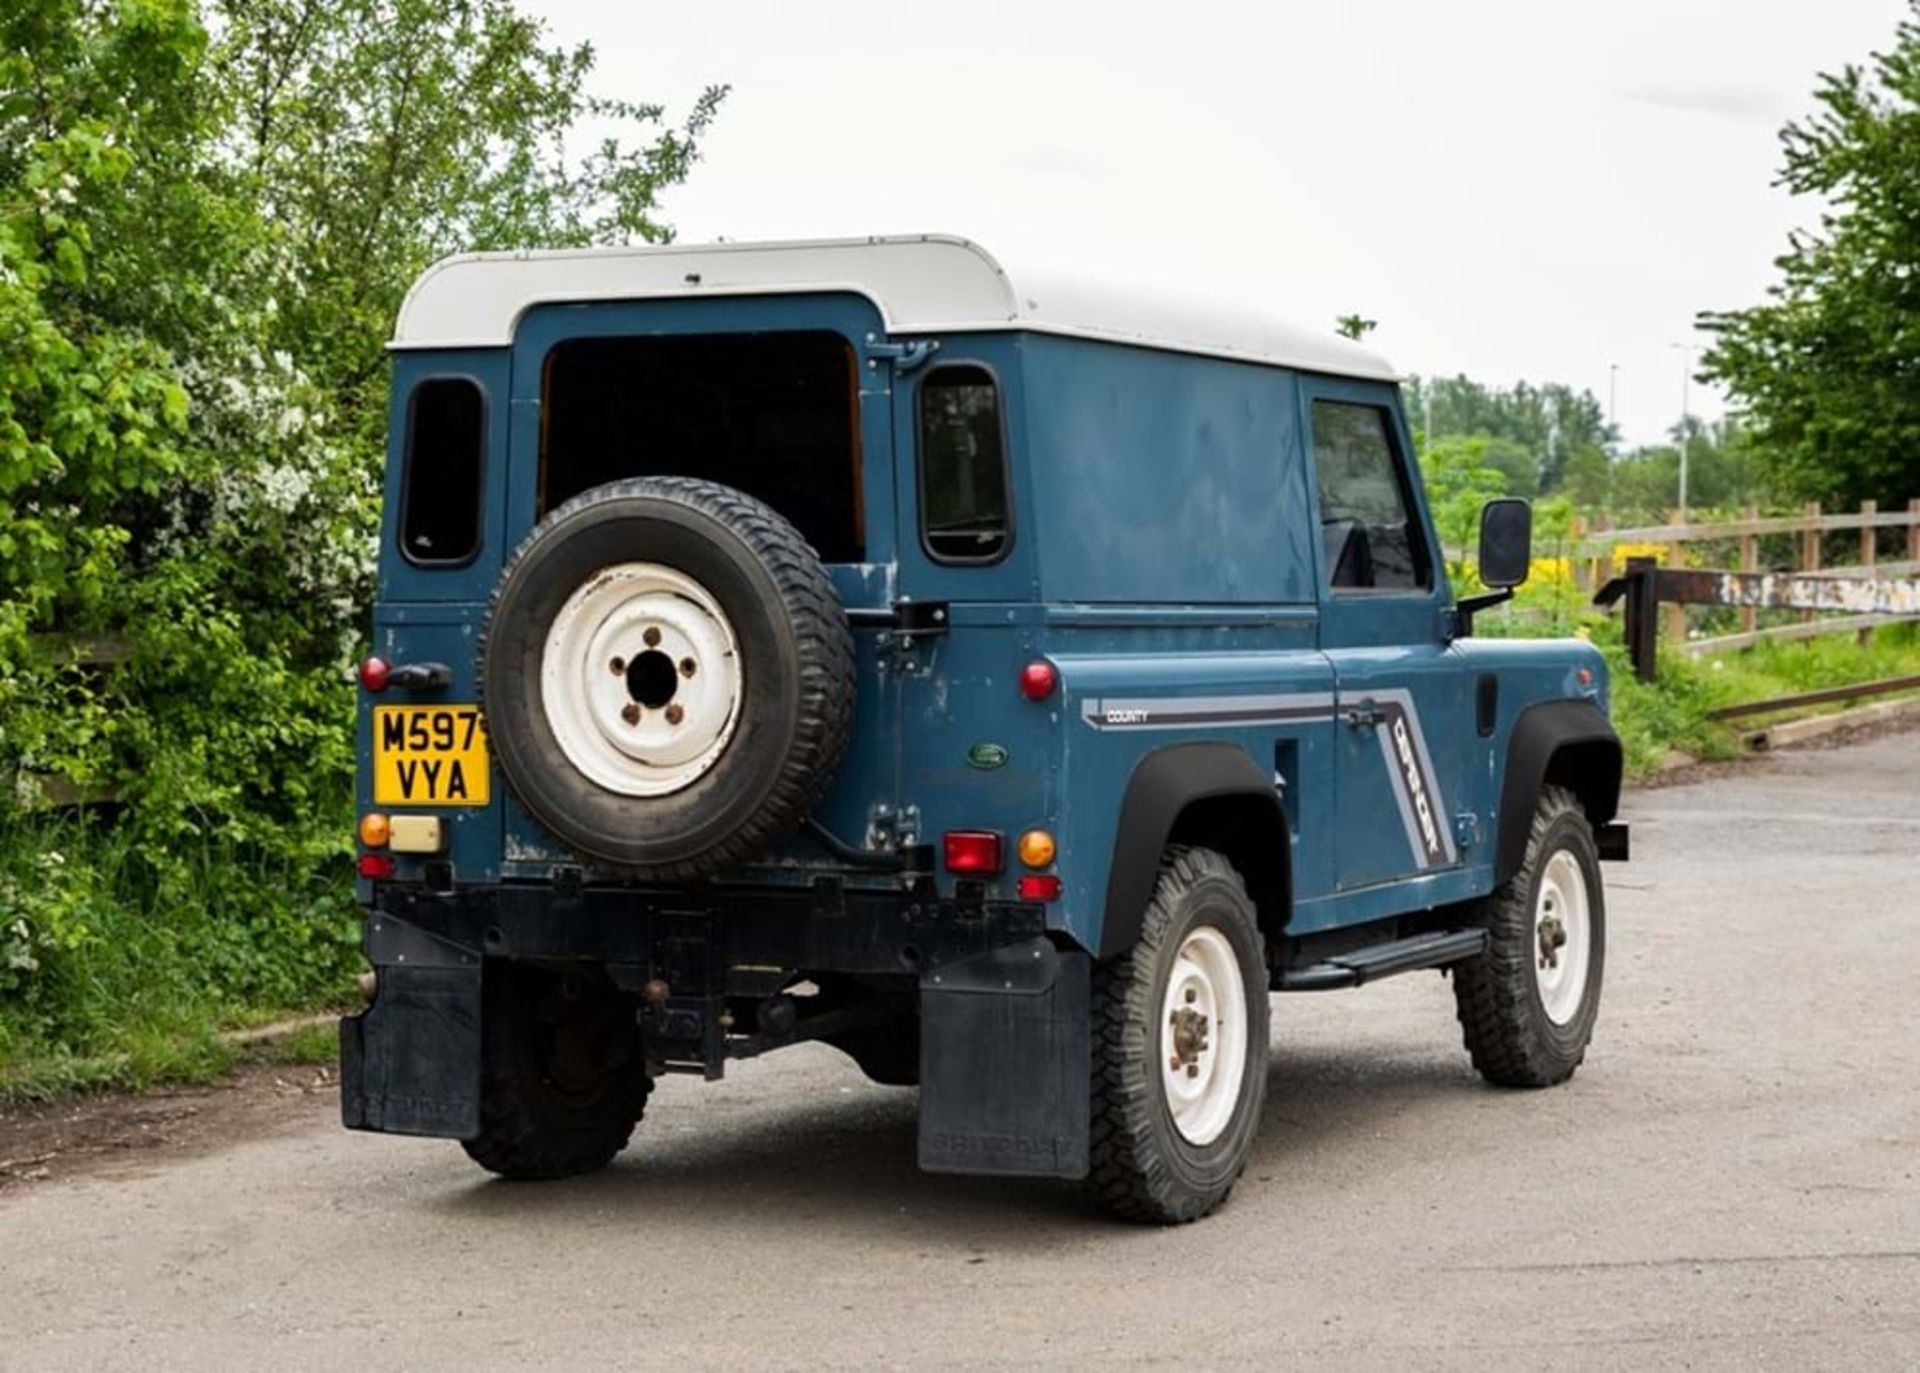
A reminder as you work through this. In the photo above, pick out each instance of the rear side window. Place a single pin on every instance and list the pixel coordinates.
(1367, 528)
(963, 467)
(441, 502)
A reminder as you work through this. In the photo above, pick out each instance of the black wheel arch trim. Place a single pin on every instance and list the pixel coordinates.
(1579, 735)
(1164, 784)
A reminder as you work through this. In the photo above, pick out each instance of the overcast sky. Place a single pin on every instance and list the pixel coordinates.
(1513, 188)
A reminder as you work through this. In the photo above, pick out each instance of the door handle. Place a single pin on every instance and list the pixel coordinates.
(1365, 715)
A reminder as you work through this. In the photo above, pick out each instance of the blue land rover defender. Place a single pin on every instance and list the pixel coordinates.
(1008, 685)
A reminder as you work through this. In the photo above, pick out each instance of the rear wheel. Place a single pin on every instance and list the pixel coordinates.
(1528, 1004)
(1180, 1047)
(563, 1079)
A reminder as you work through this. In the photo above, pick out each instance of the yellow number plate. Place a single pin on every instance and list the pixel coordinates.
(429, 756)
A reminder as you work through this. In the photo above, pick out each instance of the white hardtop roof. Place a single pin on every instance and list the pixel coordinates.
(924, 284)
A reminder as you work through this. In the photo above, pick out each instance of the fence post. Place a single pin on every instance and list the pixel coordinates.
(1749, 562)
(1810, 545)
(1913, 530)
(1869, 539)
(1676, 627)
(1582, 573)
(1642, 616)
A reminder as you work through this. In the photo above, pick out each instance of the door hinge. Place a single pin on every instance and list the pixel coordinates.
(1466, 830)
(904, 356)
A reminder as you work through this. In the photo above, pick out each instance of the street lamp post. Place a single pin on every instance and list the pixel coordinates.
(1686, 376)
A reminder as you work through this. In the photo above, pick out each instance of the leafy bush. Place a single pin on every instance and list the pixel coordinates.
(208, 215)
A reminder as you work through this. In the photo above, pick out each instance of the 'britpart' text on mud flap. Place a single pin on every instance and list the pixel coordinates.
(1005, 1049)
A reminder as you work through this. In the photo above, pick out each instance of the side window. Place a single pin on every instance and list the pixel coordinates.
(963, 467)
(441, 500)
(1367, 527)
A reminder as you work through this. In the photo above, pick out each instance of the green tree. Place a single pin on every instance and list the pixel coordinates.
(1827, 371)
(1551, 421)
(1459, 481)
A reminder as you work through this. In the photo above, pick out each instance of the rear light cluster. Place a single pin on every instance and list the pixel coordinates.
(981, 853)
(374, 674)
(376, 867)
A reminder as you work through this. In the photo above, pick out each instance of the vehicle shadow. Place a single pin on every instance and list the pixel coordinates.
(845, 1157)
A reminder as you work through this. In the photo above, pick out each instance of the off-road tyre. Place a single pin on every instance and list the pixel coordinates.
(1508, 1033)
(796, 659)
(1140, 1164)
(563, 1076)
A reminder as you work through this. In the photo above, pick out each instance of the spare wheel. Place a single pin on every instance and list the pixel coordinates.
(667, 675)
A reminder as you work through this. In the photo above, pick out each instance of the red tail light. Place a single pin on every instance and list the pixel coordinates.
(1039, 887)
(977, 853)
(374, 673)
(1038, 680)
(377, 867)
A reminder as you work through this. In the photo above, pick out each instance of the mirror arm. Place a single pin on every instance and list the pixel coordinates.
(1469, 606)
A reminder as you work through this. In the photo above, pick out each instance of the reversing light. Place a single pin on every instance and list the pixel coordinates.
(375, 830)
(1038, 886)
(1036, 848)
(376, 867)
(374, 673)
(974, 852)
(1038, 680)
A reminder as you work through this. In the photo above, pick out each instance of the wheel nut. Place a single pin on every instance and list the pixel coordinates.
(618, 667)
(687, 667)
(1192, 996)
(1193, 1070)
(675, 713)
(652, 636)
(631, 712)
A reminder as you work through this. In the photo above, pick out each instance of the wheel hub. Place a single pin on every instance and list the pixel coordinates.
(1563, 937)
(1203, 1040)
(1189, 1035)
(641, 679)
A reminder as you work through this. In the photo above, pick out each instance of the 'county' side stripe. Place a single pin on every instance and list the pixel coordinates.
(1177, 712)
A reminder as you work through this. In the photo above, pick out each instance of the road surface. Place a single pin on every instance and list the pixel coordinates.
(1731, 1181)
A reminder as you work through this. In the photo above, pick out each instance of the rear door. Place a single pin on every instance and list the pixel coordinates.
(773, 395)
(1403, 713)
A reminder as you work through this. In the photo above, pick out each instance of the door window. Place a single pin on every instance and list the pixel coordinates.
(1368, 529)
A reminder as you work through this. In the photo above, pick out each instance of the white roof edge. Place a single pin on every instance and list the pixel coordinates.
(919, 284)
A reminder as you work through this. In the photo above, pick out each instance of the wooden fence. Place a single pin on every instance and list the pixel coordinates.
(1595, 548)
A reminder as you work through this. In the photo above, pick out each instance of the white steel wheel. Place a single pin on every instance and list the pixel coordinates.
(1203, 1036)
(641, 679)
(1562, 937)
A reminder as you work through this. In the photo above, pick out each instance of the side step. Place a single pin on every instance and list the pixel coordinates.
(1434, 949)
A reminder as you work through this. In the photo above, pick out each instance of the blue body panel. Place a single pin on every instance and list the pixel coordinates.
(1165, 558)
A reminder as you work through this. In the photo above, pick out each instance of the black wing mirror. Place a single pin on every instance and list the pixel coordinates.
(1506, 556)
(1506, 542)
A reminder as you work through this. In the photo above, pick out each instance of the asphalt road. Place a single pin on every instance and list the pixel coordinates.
(1732, 1180)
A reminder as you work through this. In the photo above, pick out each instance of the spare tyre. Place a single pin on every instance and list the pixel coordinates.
(667, 675)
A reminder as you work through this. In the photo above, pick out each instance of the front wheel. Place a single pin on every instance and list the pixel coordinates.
(1180, 1025)
(1528, 1004)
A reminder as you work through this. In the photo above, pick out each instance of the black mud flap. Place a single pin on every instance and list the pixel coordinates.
(1005, 1053)
(410, 1063)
